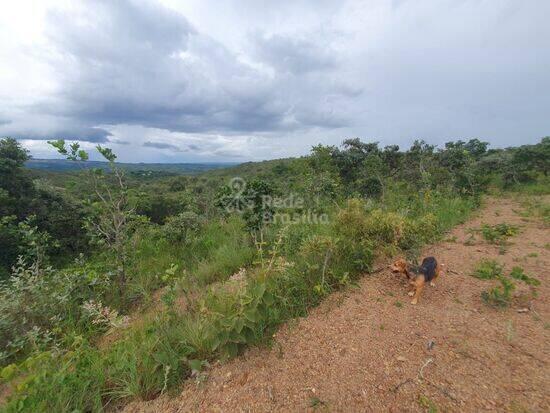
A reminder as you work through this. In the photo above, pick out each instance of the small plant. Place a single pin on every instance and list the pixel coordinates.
(499, 296)
(104, 316)
(426, 403)
(518, 274)
(497, 234)
(398, 304)
(488, 270)
(315, 402)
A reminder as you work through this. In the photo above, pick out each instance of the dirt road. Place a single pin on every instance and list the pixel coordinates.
(369, 349)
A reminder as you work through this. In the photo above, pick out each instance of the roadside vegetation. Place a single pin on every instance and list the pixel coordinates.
(222, 262)
(501, 295)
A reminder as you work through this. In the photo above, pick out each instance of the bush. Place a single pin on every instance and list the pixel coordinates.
(499, 296)
(182, 227)
(518, 274)
(496, 234)
(488, 270)
(40, 307)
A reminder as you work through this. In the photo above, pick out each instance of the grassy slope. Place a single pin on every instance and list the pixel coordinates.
(157, 355)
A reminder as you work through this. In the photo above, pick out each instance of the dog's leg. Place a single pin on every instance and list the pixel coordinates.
(412, 288)
(419, 284)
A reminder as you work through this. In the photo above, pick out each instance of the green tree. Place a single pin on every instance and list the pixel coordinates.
(111, 219)
(15, 184)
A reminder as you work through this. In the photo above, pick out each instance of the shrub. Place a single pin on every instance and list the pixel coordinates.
(487, 270)
(499, 296)
(39, 307)
(182, 227)
(496, 234)
(518, 274)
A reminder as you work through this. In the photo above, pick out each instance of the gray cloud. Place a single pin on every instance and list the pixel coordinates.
(295, 55)
(260, 80)
(143, 64)
(95, 135)
(161, 145)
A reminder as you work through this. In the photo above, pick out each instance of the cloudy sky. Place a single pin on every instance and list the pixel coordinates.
(237, 80)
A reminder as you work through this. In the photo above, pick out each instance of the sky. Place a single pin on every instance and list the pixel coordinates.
(228, 80)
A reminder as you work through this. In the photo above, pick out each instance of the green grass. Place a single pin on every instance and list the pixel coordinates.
(497, 234)
(499, 296)
(518, 274)
(487, 270)
(536, 188)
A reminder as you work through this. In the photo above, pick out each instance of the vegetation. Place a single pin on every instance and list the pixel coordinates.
(221, 263)
(488, 270)
(501, 295)
(497, 234)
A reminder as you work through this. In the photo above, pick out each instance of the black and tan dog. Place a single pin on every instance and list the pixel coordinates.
(427, 272)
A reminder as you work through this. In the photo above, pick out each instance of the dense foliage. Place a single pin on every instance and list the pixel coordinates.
(217, 263)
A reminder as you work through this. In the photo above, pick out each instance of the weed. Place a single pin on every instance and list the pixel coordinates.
(518, 274)
(315, 402)
(532, 255)
(497, 234)
(487, 270)
(398, 304)
(427, 403)
(499, 296)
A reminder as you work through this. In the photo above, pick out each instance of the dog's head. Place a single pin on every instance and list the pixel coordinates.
(399, 266)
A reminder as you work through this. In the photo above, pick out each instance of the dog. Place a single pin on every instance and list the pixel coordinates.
(427, 272)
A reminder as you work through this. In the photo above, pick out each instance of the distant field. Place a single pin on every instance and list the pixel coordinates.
(62, 165)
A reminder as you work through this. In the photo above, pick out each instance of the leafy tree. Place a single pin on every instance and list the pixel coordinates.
(534, 157)
(36, 245)
(249, 199)
(15, 184)
(375, 172)
(460, 159)
(417, 164)
(351, 158)
(111, 220)
(259, 212)
(20, 198)
(10, 239)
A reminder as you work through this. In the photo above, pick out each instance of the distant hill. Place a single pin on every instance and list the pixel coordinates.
(63, 165)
